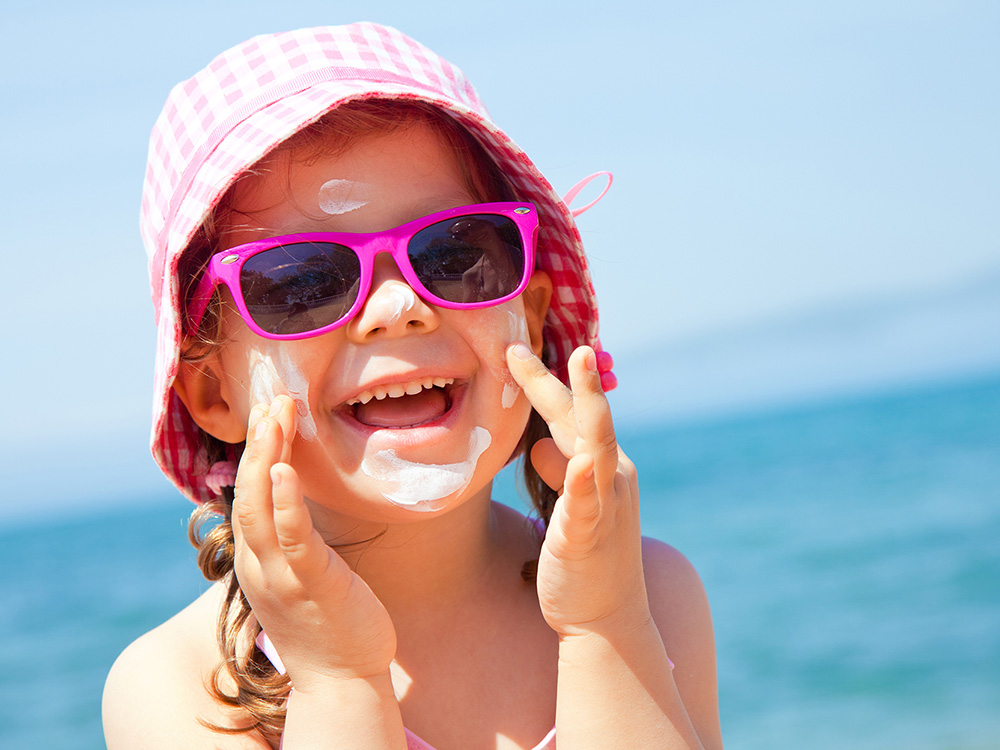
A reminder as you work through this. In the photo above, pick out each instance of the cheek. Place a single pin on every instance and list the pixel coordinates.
(273, 371)
(263, 378)
(497, 329)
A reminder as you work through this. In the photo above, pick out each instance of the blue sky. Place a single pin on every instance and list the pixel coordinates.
(769, 157)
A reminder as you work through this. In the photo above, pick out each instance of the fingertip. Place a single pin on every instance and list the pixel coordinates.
(284, 488)
(261, 428)
(584, 356)
(280, 404)
(520, 351)
(584, 368)
(523, 364)
(582, 465)
(257, 413)
(581, 498)
(282, 475)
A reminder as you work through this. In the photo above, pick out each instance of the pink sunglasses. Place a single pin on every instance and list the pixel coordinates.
(301, 285)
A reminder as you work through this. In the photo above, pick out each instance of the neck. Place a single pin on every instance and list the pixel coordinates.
(434, 562)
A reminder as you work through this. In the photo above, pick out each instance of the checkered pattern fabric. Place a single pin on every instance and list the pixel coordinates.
(251, 98)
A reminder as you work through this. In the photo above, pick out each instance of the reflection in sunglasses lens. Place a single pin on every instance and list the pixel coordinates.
(471, 259)
(300, 287)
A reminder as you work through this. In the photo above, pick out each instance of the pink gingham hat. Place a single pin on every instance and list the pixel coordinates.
(254, 96)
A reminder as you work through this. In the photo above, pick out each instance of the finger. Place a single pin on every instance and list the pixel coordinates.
(257, 413)
(551, 399)
(302, 546)
(282, 409)
(549, 462)
(252, 519)
(579, 507)
(595, 429)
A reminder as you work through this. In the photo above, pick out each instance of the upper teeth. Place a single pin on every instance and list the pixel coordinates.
(395, 390)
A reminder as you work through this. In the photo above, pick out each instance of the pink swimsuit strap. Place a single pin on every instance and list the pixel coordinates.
(415, 743)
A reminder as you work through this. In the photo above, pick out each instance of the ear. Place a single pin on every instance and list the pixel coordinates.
(199, 386)
(537, 296)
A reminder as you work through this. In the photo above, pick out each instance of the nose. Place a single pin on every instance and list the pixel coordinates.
(392, 308)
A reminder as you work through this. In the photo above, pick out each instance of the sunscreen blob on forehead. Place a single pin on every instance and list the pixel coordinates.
(342, 196)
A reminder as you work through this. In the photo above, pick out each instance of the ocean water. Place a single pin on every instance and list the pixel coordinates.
(851, 552)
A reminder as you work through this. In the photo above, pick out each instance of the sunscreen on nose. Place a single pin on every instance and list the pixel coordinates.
(404, 299)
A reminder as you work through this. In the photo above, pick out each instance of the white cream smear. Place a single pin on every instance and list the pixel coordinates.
(342, 196)
(518, 332)
(268, 381)
(264, 381)
(404, 299)
(420, 486)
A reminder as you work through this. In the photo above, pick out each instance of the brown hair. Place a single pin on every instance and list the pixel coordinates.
(261, 693)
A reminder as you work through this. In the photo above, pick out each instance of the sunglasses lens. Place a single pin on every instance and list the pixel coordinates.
(475, 258)
(300, 287)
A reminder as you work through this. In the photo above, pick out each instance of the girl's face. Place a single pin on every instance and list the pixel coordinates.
(407, 409)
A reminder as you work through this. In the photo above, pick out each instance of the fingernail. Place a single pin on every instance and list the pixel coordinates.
(275, 477)
(521, 351)
(260, 429)
(274, 409)
(590, 362)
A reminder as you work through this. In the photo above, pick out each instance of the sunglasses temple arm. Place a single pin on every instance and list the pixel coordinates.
(578, 187)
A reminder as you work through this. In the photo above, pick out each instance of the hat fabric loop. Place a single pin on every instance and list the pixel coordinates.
(578, 187)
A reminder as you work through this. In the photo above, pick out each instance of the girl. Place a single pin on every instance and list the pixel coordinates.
(369, 301)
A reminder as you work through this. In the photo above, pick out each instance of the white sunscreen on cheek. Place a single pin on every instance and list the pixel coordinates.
(518, 332)
(509, 395)
(518, 328)
(264, 381)
(342, 196)
(298, 389)
(422, 486)
(268, 381)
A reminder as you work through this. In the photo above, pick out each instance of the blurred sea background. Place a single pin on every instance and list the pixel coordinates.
(848, 546)
(799, 275)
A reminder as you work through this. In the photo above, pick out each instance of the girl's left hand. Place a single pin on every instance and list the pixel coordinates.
(590, 576)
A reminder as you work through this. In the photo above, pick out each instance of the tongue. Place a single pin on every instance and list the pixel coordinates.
(405, 411)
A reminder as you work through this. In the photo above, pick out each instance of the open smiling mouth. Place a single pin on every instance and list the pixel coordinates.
(402, 405)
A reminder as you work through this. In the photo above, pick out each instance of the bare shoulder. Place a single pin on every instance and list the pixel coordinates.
(675, 589)
(680, 609)
(155, 693)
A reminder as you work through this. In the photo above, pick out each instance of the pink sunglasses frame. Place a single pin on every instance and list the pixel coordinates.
(225, 267)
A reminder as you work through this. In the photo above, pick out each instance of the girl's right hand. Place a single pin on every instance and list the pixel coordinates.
(322, 618)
